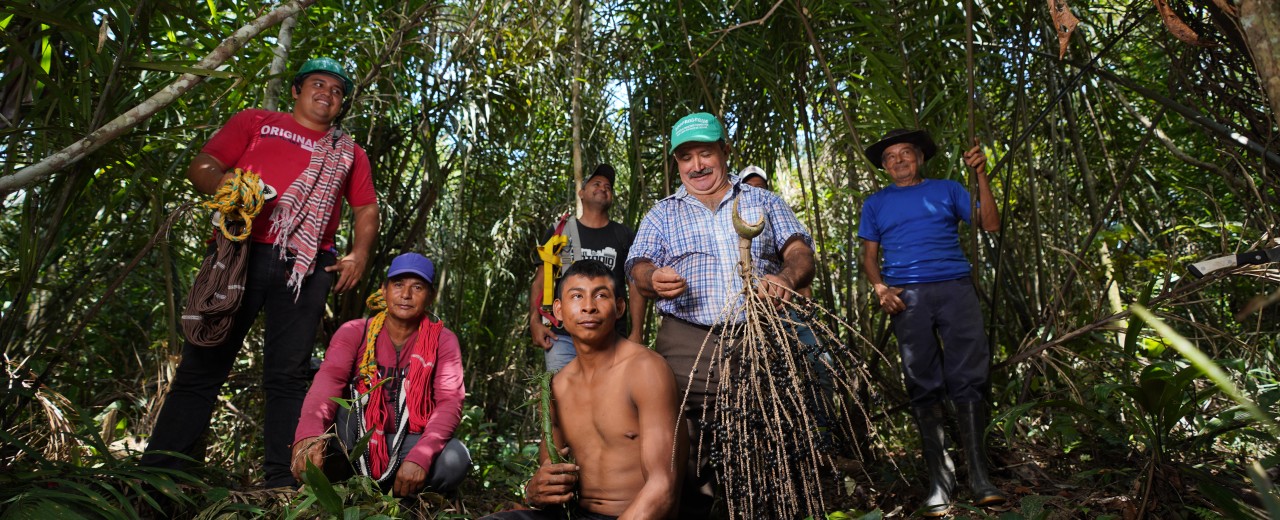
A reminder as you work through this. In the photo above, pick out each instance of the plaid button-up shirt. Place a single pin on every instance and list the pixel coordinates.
(701, 245)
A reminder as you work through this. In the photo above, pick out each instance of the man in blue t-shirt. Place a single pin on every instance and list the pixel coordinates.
(923, 283)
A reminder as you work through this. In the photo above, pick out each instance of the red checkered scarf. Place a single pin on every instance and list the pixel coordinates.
(305, 208)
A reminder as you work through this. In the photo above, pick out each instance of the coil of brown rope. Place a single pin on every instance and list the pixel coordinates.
(218, 288)
(216, 292)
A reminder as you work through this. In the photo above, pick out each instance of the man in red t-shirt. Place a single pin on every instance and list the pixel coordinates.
(313, 165)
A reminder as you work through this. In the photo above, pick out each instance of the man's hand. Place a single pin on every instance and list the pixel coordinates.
(409, 479)
(776, 289)
(987, 217)
(310, 449)
(542, 335)
(553, 484)
(975, 159)
(350, 270)
(667, 283)
(889, 300)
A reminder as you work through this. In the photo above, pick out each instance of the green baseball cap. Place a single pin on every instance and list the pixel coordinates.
(328, 66)
(699, 127)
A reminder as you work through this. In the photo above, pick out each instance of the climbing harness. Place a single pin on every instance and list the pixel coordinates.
(219, 285)
(558, 253)
(551, 263)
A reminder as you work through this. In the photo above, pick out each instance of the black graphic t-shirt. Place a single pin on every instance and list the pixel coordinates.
(608, 245)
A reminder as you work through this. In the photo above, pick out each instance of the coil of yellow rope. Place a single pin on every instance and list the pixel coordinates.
(238, 199)
(368, 359)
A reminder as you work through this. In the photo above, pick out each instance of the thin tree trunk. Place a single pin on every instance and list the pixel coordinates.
(576, 89)
(819, 234)
(126, 121)
(170, 287)
(637, 191)
(284, 42)
(1260, 20)
(1082, 159)
(1033, 181)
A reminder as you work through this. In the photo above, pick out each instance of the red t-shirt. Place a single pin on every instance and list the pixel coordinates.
(277, 148)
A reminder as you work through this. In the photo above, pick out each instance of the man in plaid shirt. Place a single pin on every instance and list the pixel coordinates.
(685, 256)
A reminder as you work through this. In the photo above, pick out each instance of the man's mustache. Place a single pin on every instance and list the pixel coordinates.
(699, 173)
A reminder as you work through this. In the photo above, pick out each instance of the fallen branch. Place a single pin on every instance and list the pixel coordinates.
(126, 121)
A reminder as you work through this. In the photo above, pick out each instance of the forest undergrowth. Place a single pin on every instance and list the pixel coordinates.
(1167, 443)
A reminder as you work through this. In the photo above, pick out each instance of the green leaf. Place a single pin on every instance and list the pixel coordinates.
(361, 445)
(322, 489)
(1134, 331)
(102, 507)
(39, 510)
(1211, 369)
(1266, 489)
(306, 503)
(46, 54)
(183, 69)
(216, 494)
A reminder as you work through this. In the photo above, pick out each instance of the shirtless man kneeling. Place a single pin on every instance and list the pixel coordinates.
(616, 406)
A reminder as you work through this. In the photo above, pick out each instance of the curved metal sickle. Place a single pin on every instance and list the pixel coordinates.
(745, 230)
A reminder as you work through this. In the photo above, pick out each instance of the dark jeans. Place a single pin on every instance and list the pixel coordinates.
(445, 474)
(290, 337)
(959, 367)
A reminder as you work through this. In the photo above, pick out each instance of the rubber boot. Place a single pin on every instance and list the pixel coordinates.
(972, 419)
(942, 474)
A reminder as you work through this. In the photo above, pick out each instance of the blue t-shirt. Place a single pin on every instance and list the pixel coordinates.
(916, 227)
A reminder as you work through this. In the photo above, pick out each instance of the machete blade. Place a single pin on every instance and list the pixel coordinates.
(1205, 267)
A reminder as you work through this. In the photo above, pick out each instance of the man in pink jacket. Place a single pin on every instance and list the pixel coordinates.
(402, 372)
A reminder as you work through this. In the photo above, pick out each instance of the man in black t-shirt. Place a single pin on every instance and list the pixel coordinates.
(591, 236)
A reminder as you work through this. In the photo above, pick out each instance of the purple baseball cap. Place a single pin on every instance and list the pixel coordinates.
(415, 264)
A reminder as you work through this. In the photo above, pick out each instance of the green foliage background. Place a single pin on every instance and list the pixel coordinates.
(464, 110)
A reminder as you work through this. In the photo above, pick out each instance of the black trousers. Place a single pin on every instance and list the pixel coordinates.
(290, 337)
(957, 368)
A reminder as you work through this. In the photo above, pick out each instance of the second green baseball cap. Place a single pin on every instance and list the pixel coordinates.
(699, 127)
